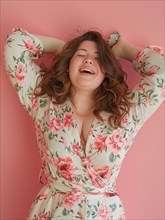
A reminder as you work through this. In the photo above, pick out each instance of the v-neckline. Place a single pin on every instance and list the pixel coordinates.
(83, 146)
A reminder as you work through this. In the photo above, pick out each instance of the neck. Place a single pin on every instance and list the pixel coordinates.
(82, 103)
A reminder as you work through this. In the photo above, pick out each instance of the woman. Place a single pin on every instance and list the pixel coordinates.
(85, 117)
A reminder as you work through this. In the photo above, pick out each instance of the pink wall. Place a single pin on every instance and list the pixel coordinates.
(141, 181)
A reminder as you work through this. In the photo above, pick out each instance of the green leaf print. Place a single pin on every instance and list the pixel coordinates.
(22, 58)
(14, 58)
(113, 207)
(77, 179)
(91, 213)
(65, 212)
(30, 91)
(17, 87)
(160, 83)
(58, 173)
(43, 103)
(125, 133)
(9, 40)
(88, 213)
(154, 96)
(80, 205)
(141, 99)
(11, 70)
(51, 136)
(112, 157)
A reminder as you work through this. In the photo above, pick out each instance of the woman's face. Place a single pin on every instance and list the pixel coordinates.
(84, 70)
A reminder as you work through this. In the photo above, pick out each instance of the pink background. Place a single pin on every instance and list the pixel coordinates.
(141, 181)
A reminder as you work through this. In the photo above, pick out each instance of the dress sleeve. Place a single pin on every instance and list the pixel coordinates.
(20, 50)
(149, 93)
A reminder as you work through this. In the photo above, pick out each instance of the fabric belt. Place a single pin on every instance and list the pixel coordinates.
(60, 188)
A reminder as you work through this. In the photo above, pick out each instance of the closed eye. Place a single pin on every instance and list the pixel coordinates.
(80, 55)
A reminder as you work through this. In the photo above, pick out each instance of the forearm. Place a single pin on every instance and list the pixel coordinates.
(51, 44)
(123, 49)
(129, 51)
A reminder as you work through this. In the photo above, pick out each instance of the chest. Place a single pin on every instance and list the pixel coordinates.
(84, 124)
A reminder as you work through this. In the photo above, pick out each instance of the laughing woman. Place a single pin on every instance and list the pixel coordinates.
(85, 116)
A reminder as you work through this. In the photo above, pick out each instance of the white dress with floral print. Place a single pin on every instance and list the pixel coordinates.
(79, 183)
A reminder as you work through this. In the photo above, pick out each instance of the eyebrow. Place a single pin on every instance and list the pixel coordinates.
(86, 50)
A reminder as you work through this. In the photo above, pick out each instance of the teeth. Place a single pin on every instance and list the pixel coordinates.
(86, 71)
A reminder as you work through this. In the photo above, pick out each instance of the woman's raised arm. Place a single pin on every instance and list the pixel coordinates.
(51, 44)
(149, 92)
(124, 49)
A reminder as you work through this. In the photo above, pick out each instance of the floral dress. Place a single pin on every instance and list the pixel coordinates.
(79, 182)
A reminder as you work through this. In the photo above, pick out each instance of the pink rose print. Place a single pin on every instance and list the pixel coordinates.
(46, 112)
(21, 72)
(116, 142)
(43, 217)
(55, 125)
(44, 179)
(35, 103)
(157, 49)
(65, 167)
(100, 143)
(104, 212)
(43, 196)
(40, 137)
(91, 132)
(138, 55)
(76, 150)
(125, 120)
(32, 48)
(81, 216)
(72, 199)
(86, 161)
(68, 120)
(64, 141)
(103, 172)
(38, 52)
(153, 70)
(139, 87)
(95, 181)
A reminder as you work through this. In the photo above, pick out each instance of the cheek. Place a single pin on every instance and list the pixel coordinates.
(73, 65)
(70, 65)
(71, 77)
(102, 76)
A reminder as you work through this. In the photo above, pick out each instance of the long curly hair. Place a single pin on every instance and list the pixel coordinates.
(111, 96)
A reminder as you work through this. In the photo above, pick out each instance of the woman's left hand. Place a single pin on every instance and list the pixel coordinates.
(123, 49)
(117, 42)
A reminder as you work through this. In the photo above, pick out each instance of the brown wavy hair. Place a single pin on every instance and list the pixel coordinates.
(111, 96)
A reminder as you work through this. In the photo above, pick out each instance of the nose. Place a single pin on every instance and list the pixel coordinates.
(88, 60)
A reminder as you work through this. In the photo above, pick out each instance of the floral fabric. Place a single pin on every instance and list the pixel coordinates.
(79, 182)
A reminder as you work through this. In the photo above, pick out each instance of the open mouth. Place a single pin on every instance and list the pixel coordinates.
(87, 71)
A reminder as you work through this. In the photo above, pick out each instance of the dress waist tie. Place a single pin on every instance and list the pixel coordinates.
(60, 188)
